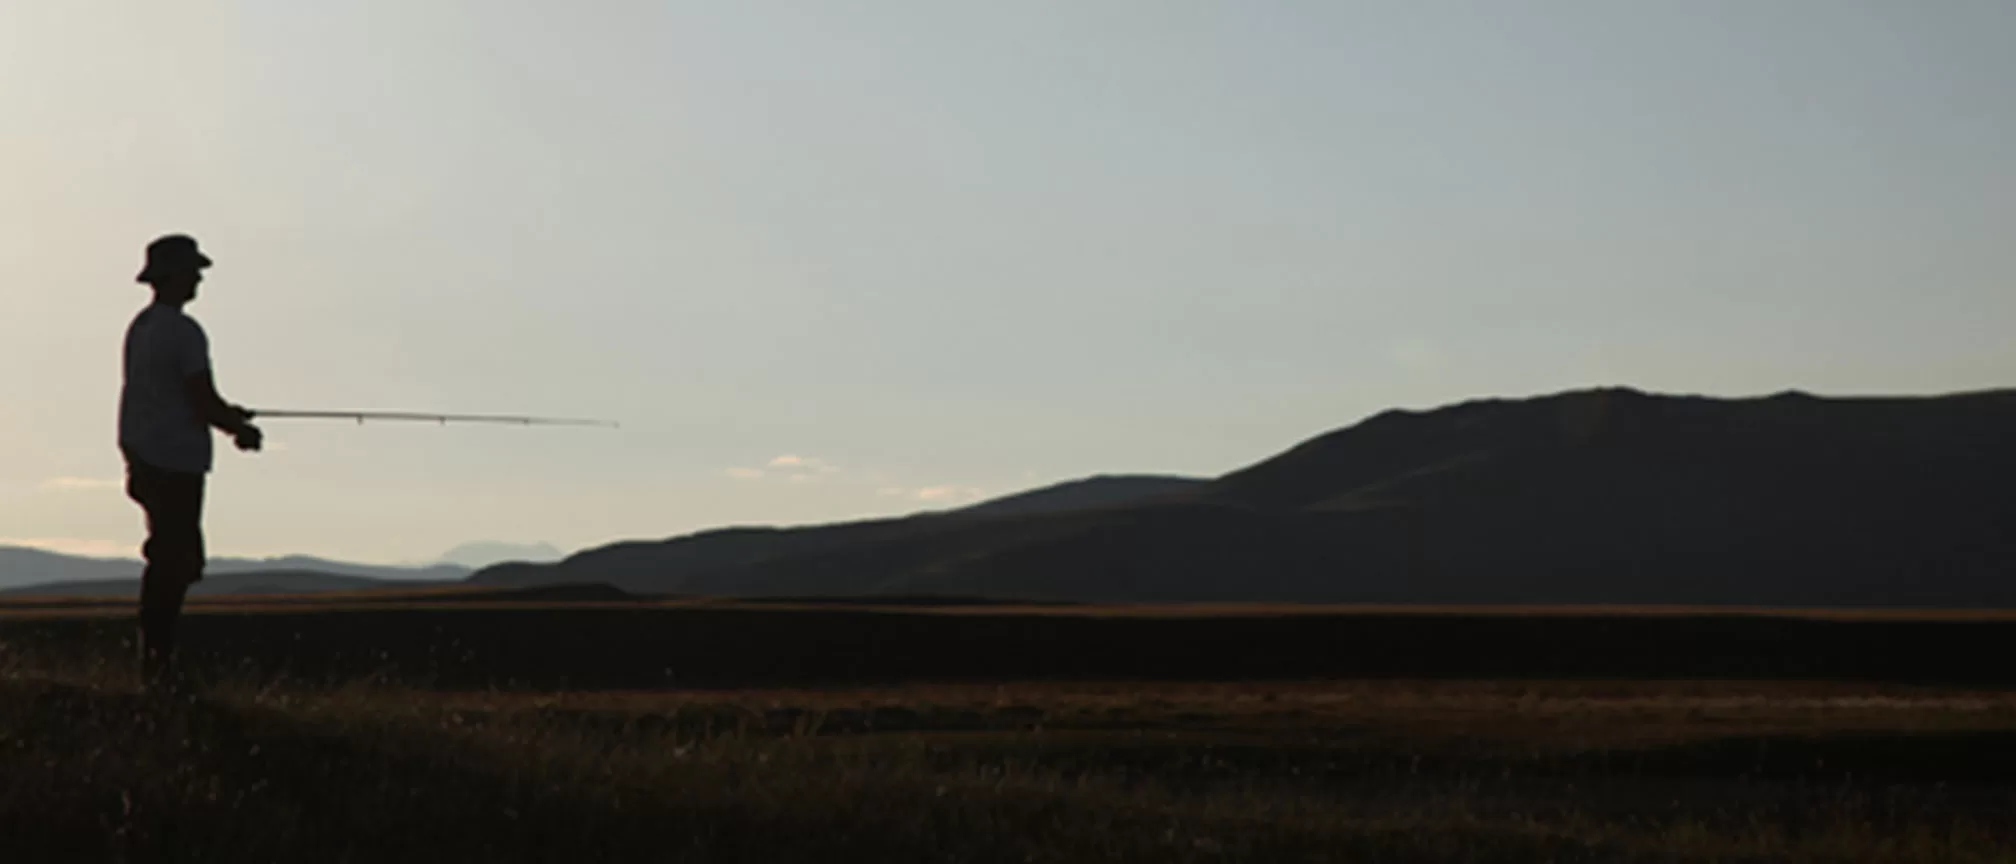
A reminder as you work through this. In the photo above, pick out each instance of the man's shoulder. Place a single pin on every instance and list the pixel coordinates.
(168, 318)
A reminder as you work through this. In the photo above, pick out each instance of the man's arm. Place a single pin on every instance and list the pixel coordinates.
(202, 390)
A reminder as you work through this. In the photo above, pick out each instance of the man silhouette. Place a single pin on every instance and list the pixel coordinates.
(166, 408)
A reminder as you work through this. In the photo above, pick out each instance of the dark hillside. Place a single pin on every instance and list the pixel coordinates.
(1606, 496)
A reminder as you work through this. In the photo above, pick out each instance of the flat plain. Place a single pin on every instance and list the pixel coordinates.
(543, 726)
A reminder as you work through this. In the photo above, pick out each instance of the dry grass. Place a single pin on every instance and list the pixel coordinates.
(260, 766)
(91, 771)
(483, 597)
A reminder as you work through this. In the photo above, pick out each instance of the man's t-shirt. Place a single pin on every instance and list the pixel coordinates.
(158, 423)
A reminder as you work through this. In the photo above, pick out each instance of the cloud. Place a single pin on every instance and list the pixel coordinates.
(89, 547)
(947, 493)
(792, 469)
(789, 467)
(804, 464)
(77, 484)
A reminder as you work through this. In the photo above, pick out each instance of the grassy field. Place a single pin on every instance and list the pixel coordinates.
(279, 759)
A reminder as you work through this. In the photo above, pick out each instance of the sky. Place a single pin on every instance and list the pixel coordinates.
(828, 261)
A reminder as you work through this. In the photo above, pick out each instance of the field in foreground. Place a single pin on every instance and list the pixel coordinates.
(261, 765)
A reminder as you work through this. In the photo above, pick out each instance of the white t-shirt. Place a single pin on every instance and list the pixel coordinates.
(158, 424)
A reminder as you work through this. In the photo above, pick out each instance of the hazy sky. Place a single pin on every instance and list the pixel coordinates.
(933, 250)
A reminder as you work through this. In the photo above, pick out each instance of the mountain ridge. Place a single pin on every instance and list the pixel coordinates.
(1606, 495)
(22, 566)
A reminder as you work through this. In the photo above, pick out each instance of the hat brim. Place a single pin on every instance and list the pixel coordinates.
(148, 273)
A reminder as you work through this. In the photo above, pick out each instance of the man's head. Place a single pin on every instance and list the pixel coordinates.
(174, 268)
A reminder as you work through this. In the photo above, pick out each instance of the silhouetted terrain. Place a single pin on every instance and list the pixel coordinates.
(1091, 493)
(1606, 496)
(695, 563)
(24, 567)
(586, 638)
(250, 582)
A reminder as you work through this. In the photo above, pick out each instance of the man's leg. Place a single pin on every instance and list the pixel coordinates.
(174, 552)
(160, 608)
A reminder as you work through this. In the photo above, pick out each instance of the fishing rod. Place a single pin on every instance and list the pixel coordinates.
(443, 419)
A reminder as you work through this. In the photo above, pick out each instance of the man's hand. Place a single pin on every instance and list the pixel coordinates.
(248, 438)
(233, 419)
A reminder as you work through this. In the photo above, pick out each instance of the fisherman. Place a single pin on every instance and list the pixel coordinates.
(166, 408)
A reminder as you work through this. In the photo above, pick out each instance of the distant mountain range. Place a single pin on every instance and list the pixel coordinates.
(36, 572)
(1597, 496)
(21, 567)
(247, 582)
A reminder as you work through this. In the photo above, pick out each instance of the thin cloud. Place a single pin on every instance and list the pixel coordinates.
(946, 493)
(790, 468)
(942, 494)
(803, 464)
(77, 484)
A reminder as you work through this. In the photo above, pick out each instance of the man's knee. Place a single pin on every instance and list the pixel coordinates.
(177, 552)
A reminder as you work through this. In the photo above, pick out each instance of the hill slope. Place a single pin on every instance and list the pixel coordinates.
(1091, 493)
(725, 560)
(1606, 496)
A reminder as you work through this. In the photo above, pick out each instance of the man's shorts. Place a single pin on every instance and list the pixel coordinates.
(173, 501)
